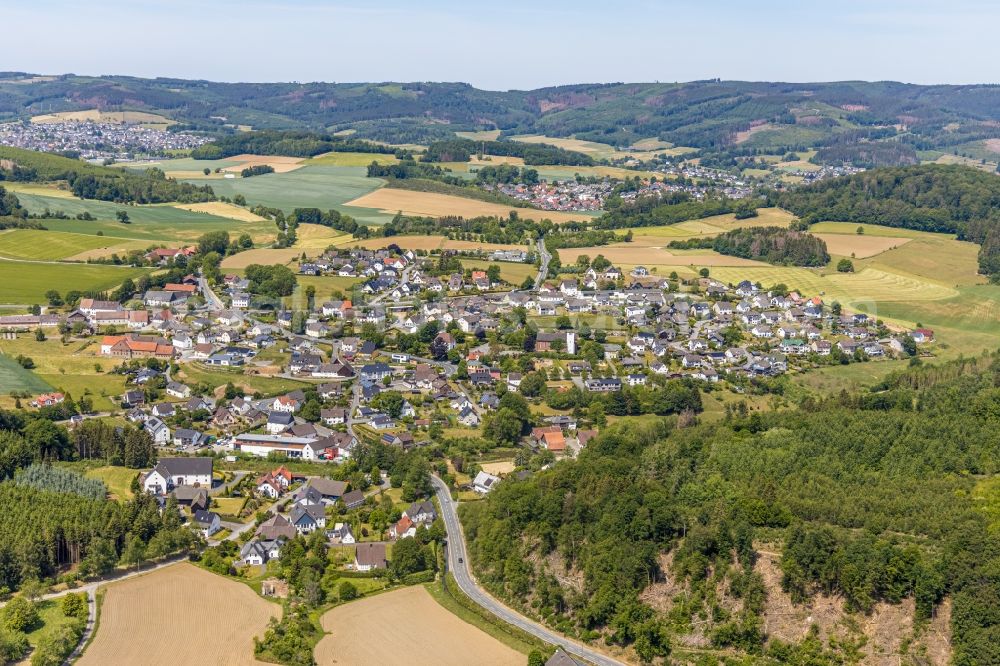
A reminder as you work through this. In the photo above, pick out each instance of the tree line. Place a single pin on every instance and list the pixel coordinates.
(774, 245)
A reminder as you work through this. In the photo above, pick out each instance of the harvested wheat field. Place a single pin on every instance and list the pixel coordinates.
(368, 632)
(181, 615)
(390, 201)
(860, 246)
(281, 164)
(627, 254)
(222, 209)
(263, 255)
(434, 243)
(499, 467)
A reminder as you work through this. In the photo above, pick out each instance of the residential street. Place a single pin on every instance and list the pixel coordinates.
(543, 269)
(458, 563)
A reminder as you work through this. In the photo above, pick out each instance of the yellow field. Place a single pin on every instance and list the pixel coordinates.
(264, 255)
(318, 237)
(39, 189)
(372, 630)
(390, 201)
(180, 614)
(710, 226)
(861, 247)
(351, 159)
(222, 209)
(940, 260)
(279, 163)
(500, 467)
(642, 150)
(872, 230)
(121, 117)
(627, 254)
(484, 135)
(868, 286)
(433, 243)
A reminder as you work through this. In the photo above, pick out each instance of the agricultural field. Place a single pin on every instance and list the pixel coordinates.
(163, 223)
(15, 378)
(263, 255)
(70, 368)
(96, 115)
(26, 282)
(195, 372)
(367, 632)
(432, 243)
(222, 209)
(36, 244)
(709, 226)
(351, 159)
(871, 230)
(322, 187)
(389, 201)
(318, 237)
(602, 151)
(483, 135)
(134, 630)
(861, 247)
(627, 256)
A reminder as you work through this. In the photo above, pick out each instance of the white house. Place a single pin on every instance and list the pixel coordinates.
(484, 482)
(172, 472)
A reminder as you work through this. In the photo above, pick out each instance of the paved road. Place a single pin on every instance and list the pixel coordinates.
(458, 563)
(543, 269)
(213, 301)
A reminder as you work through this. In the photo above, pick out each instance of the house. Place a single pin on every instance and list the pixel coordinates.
(421, 513)
(353, 499)
(329, 490)
(48, 400)
(341, 533)
(258, 552)
(402, 529)
(484, 482)
(369, 556)
(603, 384)
(208, 522)
(468, 417)
(194, 498)
(279, 422)
(274, 527)
(158, 430)
(562, 658)
(184, 437)
(178, 390)
(308, 517)
(170, 473)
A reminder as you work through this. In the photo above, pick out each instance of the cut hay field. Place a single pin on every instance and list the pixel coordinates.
(367, 632)
(318, 237)
(872, 230)
(860, 246)
(351, 159)
(40, 189)
(222, 209)
(709, 226)
(37, 244)
(197, 618)
(482, 135)
(26, 282)
(279, 163)
(389, 201)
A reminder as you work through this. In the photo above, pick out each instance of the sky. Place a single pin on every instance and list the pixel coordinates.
(512, 44)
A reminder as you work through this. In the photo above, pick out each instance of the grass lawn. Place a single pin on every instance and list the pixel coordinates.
(229, 506)
(51, 618)
(117, 479)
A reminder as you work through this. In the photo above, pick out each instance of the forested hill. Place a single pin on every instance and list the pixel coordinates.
(867, 497)
(952, 199)
(847, 116)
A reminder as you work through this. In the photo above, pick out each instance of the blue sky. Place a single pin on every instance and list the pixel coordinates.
(511, 44)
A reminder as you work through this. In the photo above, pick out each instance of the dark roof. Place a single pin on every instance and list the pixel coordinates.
(186, 465)
(353, 497)
(560, 658)
(329, 487)
(370, 554)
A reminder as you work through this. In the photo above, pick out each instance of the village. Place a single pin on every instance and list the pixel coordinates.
(97, 141)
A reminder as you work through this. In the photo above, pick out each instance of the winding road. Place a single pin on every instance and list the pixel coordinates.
(458, 563)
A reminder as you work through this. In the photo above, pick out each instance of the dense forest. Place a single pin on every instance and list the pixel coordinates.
(870, 495)
(289, 144)
(670, 208)
(950, 199)
(775, 245)
(707, 114)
